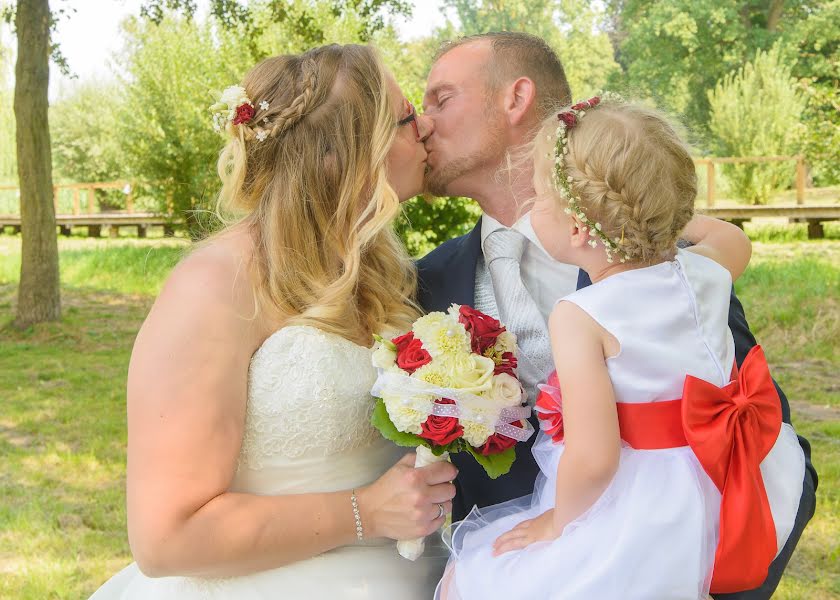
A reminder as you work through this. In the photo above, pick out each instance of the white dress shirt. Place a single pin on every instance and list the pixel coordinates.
(546, 279)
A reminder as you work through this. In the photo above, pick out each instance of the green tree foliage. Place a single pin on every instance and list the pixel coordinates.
(573, 28)
(170, 72)
(816, 51)
(676, 50)
(8, 165)
(755, 111)
(85, 144)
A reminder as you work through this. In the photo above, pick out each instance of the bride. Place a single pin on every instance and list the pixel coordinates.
(253, 470)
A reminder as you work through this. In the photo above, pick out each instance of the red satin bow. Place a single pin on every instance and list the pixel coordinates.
(731, 430)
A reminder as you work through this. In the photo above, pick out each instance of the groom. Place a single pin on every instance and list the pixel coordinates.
(485, 94)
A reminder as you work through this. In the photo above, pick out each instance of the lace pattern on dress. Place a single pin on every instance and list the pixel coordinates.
(308, 390)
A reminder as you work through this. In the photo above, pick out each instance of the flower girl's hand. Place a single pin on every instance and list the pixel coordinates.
(526, 533)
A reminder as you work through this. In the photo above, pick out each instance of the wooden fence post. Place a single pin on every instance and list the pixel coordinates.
(710, 183)
(91, 200)
(800, 179)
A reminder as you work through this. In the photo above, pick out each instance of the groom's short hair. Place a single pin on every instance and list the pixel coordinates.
(517, 54)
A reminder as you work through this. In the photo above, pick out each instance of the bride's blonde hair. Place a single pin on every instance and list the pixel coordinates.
(314, 193)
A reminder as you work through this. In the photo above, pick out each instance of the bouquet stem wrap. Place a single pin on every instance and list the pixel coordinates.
(413, 549)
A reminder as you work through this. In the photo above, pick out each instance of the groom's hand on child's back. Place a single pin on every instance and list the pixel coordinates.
(405, 502)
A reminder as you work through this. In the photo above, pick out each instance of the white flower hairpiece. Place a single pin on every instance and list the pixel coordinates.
(568, 119)
(234, 107)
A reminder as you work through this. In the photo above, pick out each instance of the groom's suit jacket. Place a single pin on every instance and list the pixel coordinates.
(447, 275)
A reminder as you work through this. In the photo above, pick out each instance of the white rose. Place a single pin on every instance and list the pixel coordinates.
(408, 414)
(506, 342)
(472, 373)
(384, 357)
(506, 390)
(441, 334)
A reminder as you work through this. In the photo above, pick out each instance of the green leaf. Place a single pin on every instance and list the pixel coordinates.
(389, 431)
(496, 464)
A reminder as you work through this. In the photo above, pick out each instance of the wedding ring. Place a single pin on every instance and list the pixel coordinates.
(441, 511)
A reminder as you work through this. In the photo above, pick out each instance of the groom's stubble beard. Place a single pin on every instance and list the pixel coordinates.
(437, 181)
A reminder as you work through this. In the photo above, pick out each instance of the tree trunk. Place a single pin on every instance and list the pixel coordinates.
(38, 294)
(774, 14)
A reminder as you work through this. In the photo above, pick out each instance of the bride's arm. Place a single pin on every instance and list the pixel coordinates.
(186, 408)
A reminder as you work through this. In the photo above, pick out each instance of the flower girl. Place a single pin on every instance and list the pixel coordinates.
(668, 473)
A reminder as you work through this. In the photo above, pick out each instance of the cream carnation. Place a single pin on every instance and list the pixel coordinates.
(234, 96)
(406, 414)
(477, 433)
(442, 334)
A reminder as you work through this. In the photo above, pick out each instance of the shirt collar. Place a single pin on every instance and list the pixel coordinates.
(523, 226)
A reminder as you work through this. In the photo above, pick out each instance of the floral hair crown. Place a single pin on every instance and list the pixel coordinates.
(235, 108)
(567, 120)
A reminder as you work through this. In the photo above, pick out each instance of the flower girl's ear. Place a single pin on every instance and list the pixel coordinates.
(578, 232)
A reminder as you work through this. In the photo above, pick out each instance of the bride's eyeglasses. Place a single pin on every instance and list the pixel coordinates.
(410, 118)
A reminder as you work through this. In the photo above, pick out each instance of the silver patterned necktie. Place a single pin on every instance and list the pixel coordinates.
(503, 251)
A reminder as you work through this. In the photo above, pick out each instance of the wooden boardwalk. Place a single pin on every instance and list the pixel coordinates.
(112, 221)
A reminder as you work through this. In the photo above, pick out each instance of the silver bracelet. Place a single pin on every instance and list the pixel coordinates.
(360, 534)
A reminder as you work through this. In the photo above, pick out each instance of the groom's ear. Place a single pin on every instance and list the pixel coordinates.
(519, 98)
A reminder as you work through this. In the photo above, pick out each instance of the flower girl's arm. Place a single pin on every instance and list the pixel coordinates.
(723, 242)
(590, 420)
(187, 391)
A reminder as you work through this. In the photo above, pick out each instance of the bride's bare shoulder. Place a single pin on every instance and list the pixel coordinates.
(213, 284)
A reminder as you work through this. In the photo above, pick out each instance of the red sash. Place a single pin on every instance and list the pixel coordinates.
(730, 429)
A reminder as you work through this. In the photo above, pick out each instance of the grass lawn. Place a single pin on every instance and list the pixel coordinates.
(62, 416)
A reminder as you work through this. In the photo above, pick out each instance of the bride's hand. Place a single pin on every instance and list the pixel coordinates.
(404, 503)
(539, 529)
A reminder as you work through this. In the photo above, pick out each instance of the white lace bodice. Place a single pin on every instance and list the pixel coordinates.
(308, 415)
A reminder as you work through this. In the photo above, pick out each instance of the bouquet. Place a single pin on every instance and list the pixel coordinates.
(450, 385)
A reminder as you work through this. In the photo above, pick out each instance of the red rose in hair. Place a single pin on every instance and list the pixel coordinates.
(507, 365)
(244, 113)
(410, 352)
(592, 102)
(441, 430)
(568, 118)
(483, 329)
(498, 443)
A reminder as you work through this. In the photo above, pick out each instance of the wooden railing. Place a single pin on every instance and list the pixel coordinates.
(94, 219)
(711, 161)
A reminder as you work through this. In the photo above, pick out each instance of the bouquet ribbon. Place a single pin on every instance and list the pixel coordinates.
(469, 407)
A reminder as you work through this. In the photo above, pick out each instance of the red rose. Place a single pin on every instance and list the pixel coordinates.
(244, 113)
(568, 118)
(441, 430)
(498, 443)
(549, 408)
(507, 364)
(483, 329)
(592, 102)
(410, 352)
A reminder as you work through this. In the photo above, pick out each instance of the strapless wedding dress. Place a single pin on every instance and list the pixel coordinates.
(307, 429)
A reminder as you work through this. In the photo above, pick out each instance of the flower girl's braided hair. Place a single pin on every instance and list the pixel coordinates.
(305, 168)
(623, 171)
